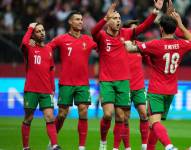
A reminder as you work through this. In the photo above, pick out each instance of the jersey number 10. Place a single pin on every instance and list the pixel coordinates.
(37, 59)
(171, 62)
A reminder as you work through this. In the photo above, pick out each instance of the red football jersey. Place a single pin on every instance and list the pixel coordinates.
(39, 63)
(74, 54)
(166, 55)
(136, 70)
(135, 60)
(114, 61)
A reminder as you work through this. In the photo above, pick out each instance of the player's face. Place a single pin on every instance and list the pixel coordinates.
(115, 22)
(76, 22)
(39, 33)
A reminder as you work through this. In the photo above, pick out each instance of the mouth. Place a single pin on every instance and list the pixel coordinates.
(42, 37)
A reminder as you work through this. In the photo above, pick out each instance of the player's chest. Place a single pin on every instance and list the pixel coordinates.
(112, 44)
(75, 48)
(39, 55)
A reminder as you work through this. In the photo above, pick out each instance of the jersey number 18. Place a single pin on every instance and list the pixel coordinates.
(171, 62)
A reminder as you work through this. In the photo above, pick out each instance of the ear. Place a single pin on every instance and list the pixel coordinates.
(69, 21)
(33, 36)
(161, 29)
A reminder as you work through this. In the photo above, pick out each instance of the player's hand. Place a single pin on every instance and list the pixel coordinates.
(170, 7)
(177, 17)
(128, 44)
(110, 11)
(32, 42)
(158, 4)
(32, 25)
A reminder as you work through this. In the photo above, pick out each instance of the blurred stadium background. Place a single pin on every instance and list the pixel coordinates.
(15, 16)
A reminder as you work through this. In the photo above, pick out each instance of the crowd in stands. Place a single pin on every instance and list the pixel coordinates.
(15, 16)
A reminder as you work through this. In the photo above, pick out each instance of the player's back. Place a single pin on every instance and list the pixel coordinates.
(166, 55)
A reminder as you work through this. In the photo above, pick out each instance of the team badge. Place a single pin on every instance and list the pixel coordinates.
(122, 39)
(26, 104)
(84, 45)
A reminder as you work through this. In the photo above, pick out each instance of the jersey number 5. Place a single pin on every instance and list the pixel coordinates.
(108, 49)
(171, 62)
(37, 59)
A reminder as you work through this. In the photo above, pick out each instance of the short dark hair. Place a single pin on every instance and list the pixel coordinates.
(168, 23)
(127, 24)
(74, 12)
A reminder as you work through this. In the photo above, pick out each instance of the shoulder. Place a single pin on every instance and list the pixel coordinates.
(149, 44)
(62, 36)
(126, 30)
(184, 41)
(47, 46)
(87, 37)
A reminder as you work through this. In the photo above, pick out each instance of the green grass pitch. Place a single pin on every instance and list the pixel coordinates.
(10, 136)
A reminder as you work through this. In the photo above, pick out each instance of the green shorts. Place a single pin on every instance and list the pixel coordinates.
(31, 100)
(80, 95)
(158, 103)
(138, 97)
(116, 92)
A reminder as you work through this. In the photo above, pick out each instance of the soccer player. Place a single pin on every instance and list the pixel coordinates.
(114, 71)
(39, 84)
(75, 49)
(166, 55)
(138, 94)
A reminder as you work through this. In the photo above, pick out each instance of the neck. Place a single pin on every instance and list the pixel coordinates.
(112, 32)
(41, 44)
(74, 33)
(167, 36)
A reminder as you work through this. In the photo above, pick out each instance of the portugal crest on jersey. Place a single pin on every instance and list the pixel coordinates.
(122, 39)
(84, 45)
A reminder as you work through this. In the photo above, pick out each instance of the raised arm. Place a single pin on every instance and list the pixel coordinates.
(28, 34)
(149, 21)
(186, 32)
(102, 22)
(169, 8)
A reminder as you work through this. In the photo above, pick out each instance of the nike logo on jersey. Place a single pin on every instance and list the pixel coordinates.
(122, 39)
(36, 52)
(107, 40)
(84, 45)
(68, 44)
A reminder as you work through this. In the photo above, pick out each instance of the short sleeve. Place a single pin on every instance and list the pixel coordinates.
(147, 47)
(55, 42)
(185, 46)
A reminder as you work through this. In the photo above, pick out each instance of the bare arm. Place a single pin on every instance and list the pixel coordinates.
(149, 21)
(170, 8)
(103, 21)
(186, 32)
